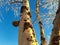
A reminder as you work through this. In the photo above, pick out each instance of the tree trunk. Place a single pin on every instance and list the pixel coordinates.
(55, 36)
(42, 36)
(26, 31)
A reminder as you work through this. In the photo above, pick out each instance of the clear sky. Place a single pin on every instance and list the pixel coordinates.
(9, 33)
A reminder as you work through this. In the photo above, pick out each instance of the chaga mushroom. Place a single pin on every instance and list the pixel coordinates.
(15, 23)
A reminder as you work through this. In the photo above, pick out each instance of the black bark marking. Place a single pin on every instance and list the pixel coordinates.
(29, 14)
(29, 39)
(25, 20)
(40, 22)
(27, 25)
(23, 8)
(42, 38)
(33, 34)
(28, 18)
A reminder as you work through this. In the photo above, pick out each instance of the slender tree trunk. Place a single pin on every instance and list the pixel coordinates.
(26, 31)
(43, 40)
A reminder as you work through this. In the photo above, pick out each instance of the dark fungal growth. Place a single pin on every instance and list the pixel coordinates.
(16, 23)
(27, 25)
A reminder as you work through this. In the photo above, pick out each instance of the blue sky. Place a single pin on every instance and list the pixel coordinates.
(9, 33)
